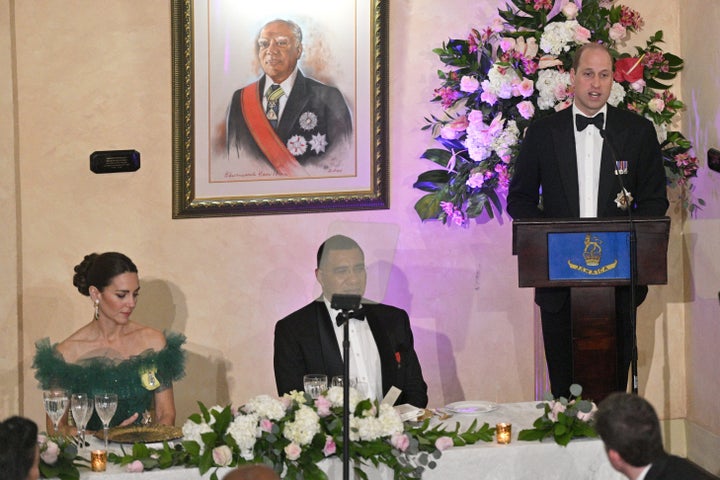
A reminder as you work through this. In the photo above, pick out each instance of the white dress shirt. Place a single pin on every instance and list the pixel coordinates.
(364, 356)
(588, 149)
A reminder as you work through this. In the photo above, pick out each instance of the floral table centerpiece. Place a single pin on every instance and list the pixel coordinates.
(59, 457)
(563, 419)
(294, 433)
(502, 77)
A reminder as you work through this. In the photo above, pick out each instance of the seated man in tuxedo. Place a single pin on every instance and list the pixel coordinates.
(630, 429)
(381, 341)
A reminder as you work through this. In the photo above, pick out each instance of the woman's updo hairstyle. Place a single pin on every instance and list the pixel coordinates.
(98, 270)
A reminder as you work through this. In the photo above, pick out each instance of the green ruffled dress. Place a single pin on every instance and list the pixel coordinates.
(134, 380)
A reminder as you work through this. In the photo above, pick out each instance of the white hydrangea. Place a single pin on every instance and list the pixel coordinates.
(500, 81)
(660, 130)
(244, 430)
(617, 94)
(305, 426)
(371, 428)
(549, 83)
(508, 138)
(335, 396)
(192, 432)
(558, 36)
(266, 406)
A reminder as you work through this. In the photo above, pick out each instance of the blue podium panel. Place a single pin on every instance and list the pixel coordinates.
(589, 256)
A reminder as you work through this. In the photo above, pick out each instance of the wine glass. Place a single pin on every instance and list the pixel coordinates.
(56, 402)
(315, 384)
(105, 405)
(81, 406)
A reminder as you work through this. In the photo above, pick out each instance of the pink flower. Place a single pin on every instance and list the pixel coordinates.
(266, 425)
(555, 409)
(323, 406)
(443, 443)
(587, 416)
(582, 34)
(497, 25)
(222, 455)
(400, 441)
(293, 451)
(564, 104)
(329, 447)
(638, 86)
(507, 44)
(136, 467)
(617, 31)
(656, 105)
(51, 452)
(526, 109)
(469, 84)
(570, 10)
(488, 97)
(526, 87)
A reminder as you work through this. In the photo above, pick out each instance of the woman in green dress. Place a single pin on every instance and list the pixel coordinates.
(113, 353)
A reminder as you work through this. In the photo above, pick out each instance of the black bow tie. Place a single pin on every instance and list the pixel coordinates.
(358, 314)
(581, 121)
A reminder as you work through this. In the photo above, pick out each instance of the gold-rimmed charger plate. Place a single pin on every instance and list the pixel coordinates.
(142, 434)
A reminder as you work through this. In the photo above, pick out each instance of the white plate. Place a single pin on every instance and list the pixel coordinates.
(471, 407)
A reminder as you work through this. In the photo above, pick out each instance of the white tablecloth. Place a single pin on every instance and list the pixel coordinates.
(582, 459)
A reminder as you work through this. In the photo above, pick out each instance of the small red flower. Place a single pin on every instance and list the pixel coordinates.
(397, 357)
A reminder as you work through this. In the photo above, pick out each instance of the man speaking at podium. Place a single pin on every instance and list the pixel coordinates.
(574, 164)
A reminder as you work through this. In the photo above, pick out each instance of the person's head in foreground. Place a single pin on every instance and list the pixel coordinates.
(252, 472)
(19, 453)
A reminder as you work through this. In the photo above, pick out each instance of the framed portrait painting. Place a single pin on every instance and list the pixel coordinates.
(278, 107)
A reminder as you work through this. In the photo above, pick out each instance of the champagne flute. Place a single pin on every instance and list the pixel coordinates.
(81, 406)
(105, 405)
(56, 403)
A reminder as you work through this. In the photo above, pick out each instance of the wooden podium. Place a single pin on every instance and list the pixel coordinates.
(569, 253)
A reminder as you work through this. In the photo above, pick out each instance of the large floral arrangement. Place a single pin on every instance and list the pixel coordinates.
(563, 419)
(59, 457)
(294, 433)
(502, 77)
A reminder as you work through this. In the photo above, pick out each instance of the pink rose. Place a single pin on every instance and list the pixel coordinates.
(526, 87)
(656, 105)
(582, 34)
(136, 467)
(293, 451)
(266, 425)
(488, 97)
(323, 406)
(330, 447)
(570, 10)
(555, 409)
(564, 104)
(443, 443)
(222, 455)
(51, 452)
(526, 109)
(617, 31)
(469, 84)
(400, 441)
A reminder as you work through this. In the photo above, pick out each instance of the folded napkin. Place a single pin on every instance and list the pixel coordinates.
(408, 412)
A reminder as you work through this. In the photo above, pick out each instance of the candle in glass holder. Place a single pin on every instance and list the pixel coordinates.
(98, 460)
(503, 432)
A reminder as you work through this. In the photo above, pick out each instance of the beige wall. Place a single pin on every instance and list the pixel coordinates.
(95, 75)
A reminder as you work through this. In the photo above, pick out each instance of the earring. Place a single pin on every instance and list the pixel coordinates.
(97, 309)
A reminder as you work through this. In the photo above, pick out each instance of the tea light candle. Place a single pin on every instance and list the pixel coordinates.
(98, 460)
(503, 432)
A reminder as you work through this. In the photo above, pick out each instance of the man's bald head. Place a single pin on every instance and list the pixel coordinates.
(252, 472)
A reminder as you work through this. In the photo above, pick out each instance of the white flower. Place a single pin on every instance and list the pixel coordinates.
(335, 396)
(617, 94)
(222, 456)
(50, 452)
(318, 143)
(549, 84)
(244, 430)
(297, 145)
(266, 406)
(558, 36)
(308, 120)
(661, 131)
(192, 432)
(656, 105)
(570, 10)
(305, 426)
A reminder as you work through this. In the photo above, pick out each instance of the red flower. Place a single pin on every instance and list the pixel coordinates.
(397, 357)
(628, 69)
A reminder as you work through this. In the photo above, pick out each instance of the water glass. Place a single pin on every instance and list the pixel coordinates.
(315, 384)
(105, 405)
(339, 381)
(81, 406)
(56, 403)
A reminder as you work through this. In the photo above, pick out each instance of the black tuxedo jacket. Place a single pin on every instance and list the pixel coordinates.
(305, 343)
(547, 163)
(670, 467)
(326, 103)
